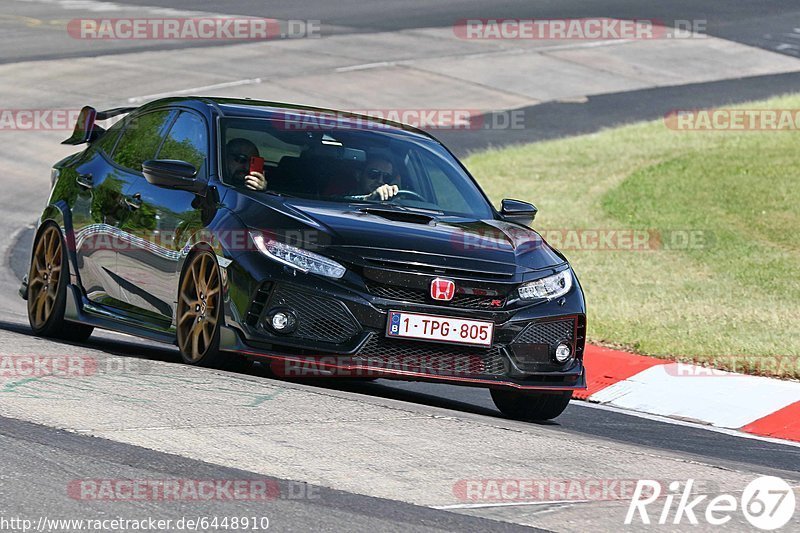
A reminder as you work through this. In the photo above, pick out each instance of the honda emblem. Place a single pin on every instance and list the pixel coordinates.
(443, 289)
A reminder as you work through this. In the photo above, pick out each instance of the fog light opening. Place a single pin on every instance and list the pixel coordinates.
(563, 353)
(282, 320)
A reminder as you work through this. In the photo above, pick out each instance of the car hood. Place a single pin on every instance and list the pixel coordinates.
(363, 234)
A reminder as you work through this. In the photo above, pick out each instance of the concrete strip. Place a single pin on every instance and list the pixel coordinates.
(534, 75)
(402, 87)
(689, 392)
(416, 69)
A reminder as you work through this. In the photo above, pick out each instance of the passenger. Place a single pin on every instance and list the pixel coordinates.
(237, 162)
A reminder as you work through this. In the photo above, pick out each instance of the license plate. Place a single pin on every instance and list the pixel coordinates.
(439, 328)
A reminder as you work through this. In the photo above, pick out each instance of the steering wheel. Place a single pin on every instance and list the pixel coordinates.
(408, 194)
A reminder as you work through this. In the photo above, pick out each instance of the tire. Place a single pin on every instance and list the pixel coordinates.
(48, 278)
(530, 406)
(198, 315)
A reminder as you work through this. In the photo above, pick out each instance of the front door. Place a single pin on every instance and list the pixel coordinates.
(161, 224)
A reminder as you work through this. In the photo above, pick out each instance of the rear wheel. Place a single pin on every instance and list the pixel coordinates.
(199, 312)
(529, 406)
(47, 288)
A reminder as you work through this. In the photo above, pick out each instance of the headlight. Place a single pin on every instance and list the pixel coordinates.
(298, 258)
(550, 287)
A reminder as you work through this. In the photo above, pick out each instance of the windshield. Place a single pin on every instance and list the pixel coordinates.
(350, 165)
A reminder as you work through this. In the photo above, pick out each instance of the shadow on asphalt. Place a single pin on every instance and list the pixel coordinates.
(171, 355)
(618, 427)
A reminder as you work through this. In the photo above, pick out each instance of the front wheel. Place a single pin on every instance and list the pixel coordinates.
(47, 288)
(199, 312)
(531, 406)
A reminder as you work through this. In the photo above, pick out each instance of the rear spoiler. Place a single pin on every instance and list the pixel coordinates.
(86, 130)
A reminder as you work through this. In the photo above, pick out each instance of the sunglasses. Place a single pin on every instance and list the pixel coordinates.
(240, 158)
(376, 174)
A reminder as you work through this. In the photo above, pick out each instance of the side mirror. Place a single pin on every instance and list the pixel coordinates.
(518, 211)
(172, 174)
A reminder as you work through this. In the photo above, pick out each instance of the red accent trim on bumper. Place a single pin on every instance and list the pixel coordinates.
(391, 373)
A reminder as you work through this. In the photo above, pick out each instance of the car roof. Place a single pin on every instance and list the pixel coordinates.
(248, 108)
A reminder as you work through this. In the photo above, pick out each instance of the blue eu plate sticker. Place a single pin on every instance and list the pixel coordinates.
(395, 327)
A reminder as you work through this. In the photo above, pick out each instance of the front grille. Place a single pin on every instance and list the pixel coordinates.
(463, 301)
(533, 346)
(431, 358)
(318, 318)
(438, 270)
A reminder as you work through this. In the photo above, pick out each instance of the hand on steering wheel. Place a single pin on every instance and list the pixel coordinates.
(408, 194)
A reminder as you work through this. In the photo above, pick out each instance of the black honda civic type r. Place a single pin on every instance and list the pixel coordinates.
(322, 242)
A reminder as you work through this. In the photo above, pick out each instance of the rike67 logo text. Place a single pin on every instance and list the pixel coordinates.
(767, 503)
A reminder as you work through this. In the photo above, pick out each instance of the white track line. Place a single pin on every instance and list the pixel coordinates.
(237, 83)
(503, 504)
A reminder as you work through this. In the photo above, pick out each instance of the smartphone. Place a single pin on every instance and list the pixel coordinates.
(256, 164)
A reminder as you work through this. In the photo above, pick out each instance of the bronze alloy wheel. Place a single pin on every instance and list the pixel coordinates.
(47, 288)
(199, 309)
(43, 277)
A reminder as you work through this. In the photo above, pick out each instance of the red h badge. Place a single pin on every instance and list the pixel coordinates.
(443, 289)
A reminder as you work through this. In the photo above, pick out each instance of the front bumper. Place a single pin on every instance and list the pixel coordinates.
(340, 332)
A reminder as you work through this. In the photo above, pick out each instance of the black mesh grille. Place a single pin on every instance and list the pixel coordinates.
(403, 294)
(547, 332)
(431, 358)
(532, 348)
(318, 318)
(397, 293)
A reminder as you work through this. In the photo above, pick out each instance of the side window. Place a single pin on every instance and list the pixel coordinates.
(109, 139)
(140, 140)
(187, 141)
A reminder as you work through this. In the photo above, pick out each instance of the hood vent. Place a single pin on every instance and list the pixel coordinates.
(399, 216)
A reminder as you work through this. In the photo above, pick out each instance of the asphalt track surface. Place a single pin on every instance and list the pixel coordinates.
(769, 24)
(58, 456)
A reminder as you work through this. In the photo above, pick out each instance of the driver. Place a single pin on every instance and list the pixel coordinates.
(237, 160)
(377, 180)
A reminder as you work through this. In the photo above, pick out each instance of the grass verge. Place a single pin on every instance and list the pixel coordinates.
(719, 279)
